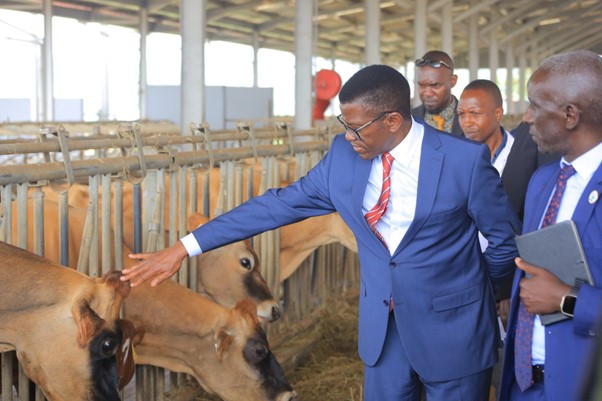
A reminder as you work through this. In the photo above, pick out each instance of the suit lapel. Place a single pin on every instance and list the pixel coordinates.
(431, 162)
(358, 190)
(541, 196)
(586, 205)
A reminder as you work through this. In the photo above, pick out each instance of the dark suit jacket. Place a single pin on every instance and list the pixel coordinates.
(568, 343)
(418, 112)
(439, 279)
(523, 160)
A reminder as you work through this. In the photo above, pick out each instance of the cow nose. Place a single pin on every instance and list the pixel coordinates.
(275, 313)
(288, 396)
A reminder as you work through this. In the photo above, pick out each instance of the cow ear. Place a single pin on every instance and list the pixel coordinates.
(87, 321)
(222, 342)
(112, 280)
(125, 352)
(195, 220)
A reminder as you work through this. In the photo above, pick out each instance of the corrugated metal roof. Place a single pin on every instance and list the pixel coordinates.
(540, 27)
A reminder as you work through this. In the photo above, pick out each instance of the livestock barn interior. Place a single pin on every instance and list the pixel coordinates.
(158, 171)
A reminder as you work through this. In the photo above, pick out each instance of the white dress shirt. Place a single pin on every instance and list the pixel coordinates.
(394, 224)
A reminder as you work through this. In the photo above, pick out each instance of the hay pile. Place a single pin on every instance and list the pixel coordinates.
(333, 370)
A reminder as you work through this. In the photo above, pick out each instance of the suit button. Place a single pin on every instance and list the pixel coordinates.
(386, 302)
(392, 265)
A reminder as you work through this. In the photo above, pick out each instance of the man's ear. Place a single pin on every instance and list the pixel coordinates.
(499, 112)
(454, 79)
(394, 121)
(572, 116)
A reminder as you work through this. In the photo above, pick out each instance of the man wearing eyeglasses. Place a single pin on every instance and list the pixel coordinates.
(414, 199)
(435, 77)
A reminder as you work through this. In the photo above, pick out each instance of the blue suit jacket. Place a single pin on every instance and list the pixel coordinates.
(438, 277)
(568, 342)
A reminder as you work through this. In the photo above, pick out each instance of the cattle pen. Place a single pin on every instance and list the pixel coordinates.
(156, 179)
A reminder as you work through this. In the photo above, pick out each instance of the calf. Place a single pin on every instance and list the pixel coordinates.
(63, 325)
(224, 349)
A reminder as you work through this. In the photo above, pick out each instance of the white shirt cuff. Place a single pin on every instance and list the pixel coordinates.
(191, 244)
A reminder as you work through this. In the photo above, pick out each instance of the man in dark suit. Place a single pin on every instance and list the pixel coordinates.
(565, 116)
(435, 77)
(523, 160)
(427, 313)
(514, 155)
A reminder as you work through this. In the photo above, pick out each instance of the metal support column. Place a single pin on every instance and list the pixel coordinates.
(419, 38)
(494, 56)
(510, 109)
(142, 85)
(372, 39)
(303, 54)
(192, 29)
(47, 65)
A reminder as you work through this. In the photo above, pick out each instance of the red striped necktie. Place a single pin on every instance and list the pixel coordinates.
(524, 324)
(379, 209)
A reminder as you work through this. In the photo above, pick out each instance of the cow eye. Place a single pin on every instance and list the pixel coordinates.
(246, 263)
(261, 351)
(256, 351)
(108, 347)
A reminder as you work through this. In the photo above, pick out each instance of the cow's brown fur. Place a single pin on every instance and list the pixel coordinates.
(236, 262)
(50, 315)
(186, 332)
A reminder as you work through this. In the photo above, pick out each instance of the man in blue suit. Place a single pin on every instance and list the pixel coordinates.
(427, 312)
(565, 116)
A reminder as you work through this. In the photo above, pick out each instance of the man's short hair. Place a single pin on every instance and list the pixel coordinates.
(586, 93)
(379, 88)
(489, 87)
(438, 55)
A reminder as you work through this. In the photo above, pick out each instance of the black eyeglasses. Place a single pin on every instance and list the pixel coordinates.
(423, 62)
(356, 131)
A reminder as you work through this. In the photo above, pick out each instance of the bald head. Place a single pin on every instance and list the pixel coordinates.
(578, 80)
(565, 110)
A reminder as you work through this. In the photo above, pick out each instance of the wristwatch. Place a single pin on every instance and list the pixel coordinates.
(568, 301)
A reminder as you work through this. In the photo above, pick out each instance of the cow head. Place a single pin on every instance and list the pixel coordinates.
(64, 344)
(232, 273)
(241, 347)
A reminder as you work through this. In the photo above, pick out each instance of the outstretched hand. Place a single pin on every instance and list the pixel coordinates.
(158, 266)
(542, 291)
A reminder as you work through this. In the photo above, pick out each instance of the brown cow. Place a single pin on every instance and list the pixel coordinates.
(63, 325)
(243, 277)
(239, 271)
(297, 242)
(225, 349)
(172, 300)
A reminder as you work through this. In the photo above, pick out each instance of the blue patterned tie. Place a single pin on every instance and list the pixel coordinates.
(524, 324)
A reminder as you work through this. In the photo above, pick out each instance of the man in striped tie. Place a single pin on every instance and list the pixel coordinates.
(415, 198)
(545, 363)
